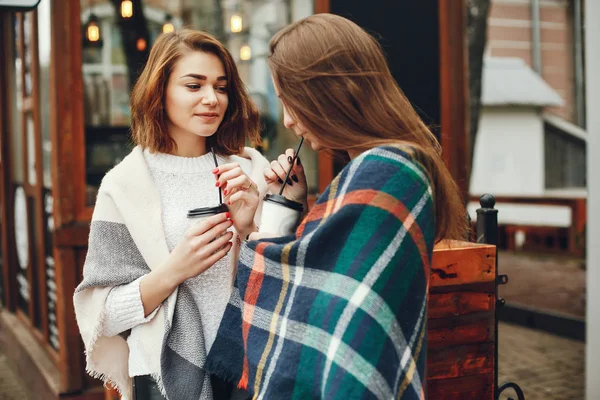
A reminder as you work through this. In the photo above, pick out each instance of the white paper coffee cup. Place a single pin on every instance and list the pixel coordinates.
(280, 216)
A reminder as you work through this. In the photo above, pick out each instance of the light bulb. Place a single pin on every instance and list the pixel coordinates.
(168, 27)
(93, 32)
(245, 53)
(92, 29)
(141, 44)
(126, 9)
(236, 23)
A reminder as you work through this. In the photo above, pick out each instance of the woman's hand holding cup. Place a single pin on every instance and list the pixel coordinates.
(296, 188)
(241, 196)
(204, 243)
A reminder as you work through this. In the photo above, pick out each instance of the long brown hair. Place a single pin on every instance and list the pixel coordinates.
(333, 78)
(148, 115)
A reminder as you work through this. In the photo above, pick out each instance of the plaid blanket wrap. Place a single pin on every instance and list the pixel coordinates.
(338, 311)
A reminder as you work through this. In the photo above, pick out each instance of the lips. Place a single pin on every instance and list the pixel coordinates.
(208, 117)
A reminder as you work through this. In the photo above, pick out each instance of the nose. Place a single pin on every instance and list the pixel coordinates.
(210, 97)
(288, 121)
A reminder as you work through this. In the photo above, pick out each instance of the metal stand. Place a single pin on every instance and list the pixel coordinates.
(487, 232)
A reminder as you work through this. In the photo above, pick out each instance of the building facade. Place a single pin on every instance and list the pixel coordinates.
(548, 36)
(531, 153)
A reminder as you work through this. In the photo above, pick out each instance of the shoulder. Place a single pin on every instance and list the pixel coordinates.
(123, 173)
(388, 166)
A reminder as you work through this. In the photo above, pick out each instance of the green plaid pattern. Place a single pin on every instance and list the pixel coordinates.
(338, 311)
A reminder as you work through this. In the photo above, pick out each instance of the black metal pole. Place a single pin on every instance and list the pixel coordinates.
(487, 232)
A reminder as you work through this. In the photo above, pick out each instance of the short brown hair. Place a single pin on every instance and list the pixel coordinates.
(333, 77)
(148, 116)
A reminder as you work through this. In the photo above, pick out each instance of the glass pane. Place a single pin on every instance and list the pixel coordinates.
(27, 53)
(16, 107)
(44, 34)
(16, 170)
(106, 93)
(31, 175)
(50, 270)
(22, 245)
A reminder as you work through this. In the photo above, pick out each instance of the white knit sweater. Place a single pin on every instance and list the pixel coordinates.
(183, 184)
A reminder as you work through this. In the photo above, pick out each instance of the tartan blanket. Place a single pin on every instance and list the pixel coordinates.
(338, 311)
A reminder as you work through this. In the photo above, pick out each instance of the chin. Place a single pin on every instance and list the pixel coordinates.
(205, 131)
(316, 146)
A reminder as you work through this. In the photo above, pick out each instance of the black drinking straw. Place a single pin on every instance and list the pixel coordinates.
(292, 167)
(212, 150)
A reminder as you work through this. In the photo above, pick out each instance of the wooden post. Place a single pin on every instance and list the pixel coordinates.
(66, 133)
(454, 92)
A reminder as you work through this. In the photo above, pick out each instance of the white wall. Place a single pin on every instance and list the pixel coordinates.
(509, 152)
(592, 55)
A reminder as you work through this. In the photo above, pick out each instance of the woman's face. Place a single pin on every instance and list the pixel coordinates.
(196, 97)
(295, 126)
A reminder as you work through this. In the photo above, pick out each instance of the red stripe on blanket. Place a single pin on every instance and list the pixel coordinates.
(253, 287)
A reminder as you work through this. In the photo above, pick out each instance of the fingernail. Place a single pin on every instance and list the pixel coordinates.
(225, 192)
(295, 178)
(298, 161)
(289, 182)
(215, 171)
(218, 184)
(227, 215)
(290, 159)
(280, 180)
(229, 204)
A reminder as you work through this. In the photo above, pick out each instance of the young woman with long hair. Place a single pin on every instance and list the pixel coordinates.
(338, 310)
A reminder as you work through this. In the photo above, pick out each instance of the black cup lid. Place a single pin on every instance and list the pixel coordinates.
(207, 211)
(279, 199)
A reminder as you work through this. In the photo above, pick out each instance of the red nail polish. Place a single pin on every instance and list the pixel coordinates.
(218, 184)
(229, 202)
(215, 171)
(227, 215)
(225, 192)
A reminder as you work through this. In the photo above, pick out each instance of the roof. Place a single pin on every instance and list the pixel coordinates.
(565, 126)
(509, 81)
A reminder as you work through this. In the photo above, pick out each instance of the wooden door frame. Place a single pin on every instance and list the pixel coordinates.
(9, 270)
(38, 188)
(68, 181)
(454, 92)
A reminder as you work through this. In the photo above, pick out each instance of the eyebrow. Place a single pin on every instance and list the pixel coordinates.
(202, 77)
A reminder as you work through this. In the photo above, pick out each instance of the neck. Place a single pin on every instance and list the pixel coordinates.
(187, 144)
(354, 153)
